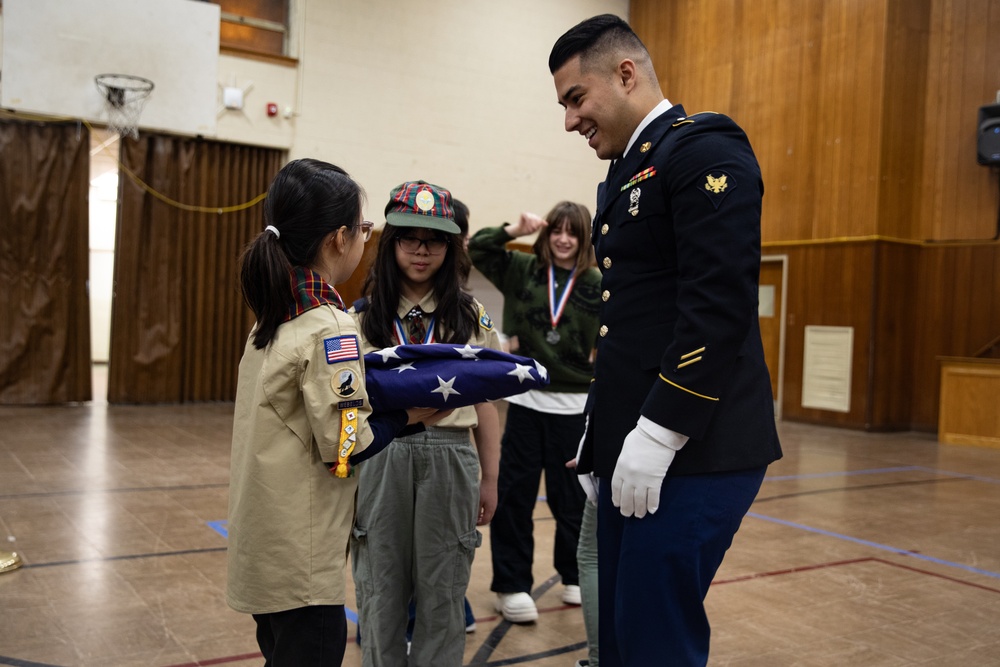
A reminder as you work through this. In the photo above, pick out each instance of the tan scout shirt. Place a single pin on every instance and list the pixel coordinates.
(290, 518)
(485, 336)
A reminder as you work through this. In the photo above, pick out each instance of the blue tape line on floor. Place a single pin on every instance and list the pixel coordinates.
(219, 527)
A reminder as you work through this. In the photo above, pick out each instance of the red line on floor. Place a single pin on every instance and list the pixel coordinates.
(939, 576)
(821, 566)
(791, 570)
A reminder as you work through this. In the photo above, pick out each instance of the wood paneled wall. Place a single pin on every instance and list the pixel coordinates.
(909, 304)
(828, 285)
(862, 114)
(957, 197)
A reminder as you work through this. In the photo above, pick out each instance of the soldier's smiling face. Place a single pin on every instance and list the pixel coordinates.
(596, 102)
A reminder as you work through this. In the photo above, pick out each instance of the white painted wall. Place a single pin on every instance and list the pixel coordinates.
(455, 92)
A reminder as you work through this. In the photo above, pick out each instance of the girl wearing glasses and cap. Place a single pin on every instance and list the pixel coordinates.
(420, 503)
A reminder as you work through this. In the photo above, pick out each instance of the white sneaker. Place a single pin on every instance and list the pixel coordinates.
(517, 607)
(571, 595)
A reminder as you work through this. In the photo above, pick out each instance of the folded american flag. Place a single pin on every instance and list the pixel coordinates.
(446, 376)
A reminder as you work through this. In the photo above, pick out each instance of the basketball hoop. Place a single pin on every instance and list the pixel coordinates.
(124, 97)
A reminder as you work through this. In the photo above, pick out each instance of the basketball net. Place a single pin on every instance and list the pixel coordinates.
(124, 98)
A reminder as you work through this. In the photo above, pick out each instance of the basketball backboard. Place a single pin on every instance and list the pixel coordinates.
(53, 50)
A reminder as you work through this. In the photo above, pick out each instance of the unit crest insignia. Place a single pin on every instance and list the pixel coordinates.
(633, 198)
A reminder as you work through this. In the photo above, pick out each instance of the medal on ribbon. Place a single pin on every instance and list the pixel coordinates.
(557, 306)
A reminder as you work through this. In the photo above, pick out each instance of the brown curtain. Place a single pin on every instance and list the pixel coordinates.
(44, 263)
(178, 323)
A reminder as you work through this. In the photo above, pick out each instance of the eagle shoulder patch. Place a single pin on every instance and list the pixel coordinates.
(716, 184)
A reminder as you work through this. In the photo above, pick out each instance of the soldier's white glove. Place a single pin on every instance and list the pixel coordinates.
(587, 480)
(647, 453)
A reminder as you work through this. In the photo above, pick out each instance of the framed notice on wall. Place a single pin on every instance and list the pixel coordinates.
(826, 368)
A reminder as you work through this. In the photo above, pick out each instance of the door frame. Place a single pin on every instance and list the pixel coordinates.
(779, 399)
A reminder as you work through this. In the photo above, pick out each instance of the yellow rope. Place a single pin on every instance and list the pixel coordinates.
(138, 181)
(190, 207)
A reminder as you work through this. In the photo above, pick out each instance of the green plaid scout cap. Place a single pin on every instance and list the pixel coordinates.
(421, 204)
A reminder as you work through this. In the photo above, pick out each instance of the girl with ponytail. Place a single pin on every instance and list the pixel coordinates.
(302, 419)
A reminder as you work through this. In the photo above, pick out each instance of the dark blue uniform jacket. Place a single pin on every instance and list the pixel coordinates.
(677, 238)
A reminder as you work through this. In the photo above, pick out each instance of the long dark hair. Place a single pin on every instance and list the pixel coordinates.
(307, 200)
(462, 220)
(577, 218)
(456, 311)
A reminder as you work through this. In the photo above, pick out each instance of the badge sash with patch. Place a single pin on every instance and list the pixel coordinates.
(348, 440)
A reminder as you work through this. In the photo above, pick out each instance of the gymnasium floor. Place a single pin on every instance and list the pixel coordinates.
(861, 549)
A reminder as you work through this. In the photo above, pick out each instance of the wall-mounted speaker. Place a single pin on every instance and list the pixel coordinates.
(988, 139)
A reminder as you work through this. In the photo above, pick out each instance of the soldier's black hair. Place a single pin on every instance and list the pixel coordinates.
(594, 38)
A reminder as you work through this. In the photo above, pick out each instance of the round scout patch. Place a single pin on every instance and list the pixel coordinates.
(424, 200)
(344, 382)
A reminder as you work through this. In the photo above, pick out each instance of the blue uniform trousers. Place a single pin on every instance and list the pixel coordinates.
(654, 572)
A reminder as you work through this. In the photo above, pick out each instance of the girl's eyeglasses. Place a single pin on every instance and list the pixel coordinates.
(366, 230)
(411, 244)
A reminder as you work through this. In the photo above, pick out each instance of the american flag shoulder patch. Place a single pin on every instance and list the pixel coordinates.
(341, 348)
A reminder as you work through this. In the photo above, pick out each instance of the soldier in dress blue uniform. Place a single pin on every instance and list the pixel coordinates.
(681, 420)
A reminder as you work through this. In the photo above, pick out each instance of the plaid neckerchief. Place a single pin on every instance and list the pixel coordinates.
(416, 329)
(311, 291)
